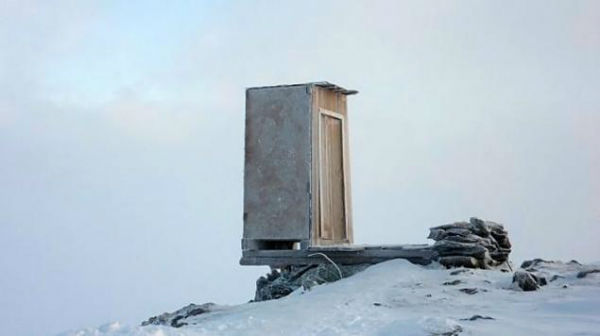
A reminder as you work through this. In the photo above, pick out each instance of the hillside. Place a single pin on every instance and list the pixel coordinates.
(399, 298)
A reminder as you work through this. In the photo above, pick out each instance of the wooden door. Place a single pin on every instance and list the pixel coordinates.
(333, 202)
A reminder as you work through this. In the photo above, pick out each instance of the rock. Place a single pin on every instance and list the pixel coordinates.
(280, 283)
(479, 227)
(559, 272)
(473, 244)
(457, 272)
(459, 225)
(540, 280)
(459, 261)
(439, 234)
(448, 247)
(478, 317)
(583, 274)
(528, 281)
(500, 255)
(534, 262)
(469, 291)
(452, 283)
(175, 318)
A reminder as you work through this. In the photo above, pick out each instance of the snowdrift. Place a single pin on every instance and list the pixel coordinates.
(399, 298)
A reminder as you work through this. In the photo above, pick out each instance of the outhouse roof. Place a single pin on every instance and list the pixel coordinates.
(323, 84)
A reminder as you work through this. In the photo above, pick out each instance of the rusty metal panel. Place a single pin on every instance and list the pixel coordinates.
(277, 163)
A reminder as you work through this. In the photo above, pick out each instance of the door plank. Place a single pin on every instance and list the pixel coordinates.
(333, 208)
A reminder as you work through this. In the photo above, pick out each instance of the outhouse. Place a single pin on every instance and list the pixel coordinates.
(297, 169)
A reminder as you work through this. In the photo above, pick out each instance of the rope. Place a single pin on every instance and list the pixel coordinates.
(331, 261)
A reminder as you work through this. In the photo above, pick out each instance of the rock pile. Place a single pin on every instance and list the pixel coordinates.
(473, 244)
(539, 272)
(280, 283)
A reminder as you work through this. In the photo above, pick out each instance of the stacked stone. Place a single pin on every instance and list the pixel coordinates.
(473, 244)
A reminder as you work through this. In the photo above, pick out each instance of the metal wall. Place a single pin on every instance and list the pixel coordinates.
(277, 163)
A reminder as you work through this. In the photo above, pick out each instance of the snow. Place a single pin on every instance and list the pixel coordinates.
(399, 298)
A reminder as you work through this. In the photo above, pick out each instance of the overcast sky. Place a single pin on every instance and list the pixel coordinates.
(121, 137)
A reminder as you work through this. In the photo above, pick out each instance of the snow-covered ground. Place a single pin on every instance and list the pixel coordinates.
(399, 298)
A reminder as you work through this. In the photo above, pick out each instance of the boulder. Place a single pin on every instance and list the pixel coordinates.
(585, 273)
(528, 281)
(559, 271)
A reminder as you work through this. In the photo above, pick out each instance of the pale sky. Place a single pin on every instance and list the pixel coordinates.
(121, 137)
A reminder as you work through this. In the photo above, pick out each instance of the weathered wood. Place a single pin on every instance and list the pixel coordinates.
(418, 254)
(324, 99)
(334, 225)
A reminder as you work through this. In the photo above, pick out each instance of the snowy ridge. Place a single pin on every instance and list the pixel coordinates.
(399, 298)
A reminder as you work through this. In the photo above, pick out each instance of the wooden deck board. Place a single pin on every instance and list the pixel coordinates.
(343, 255)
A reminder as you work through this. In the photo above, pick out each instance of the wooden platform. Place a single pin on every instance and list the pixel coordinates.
(341, 255)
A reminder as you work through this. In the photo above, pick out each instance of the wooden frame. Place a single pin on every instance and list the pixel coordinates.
(324, 112)
(333, 102)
